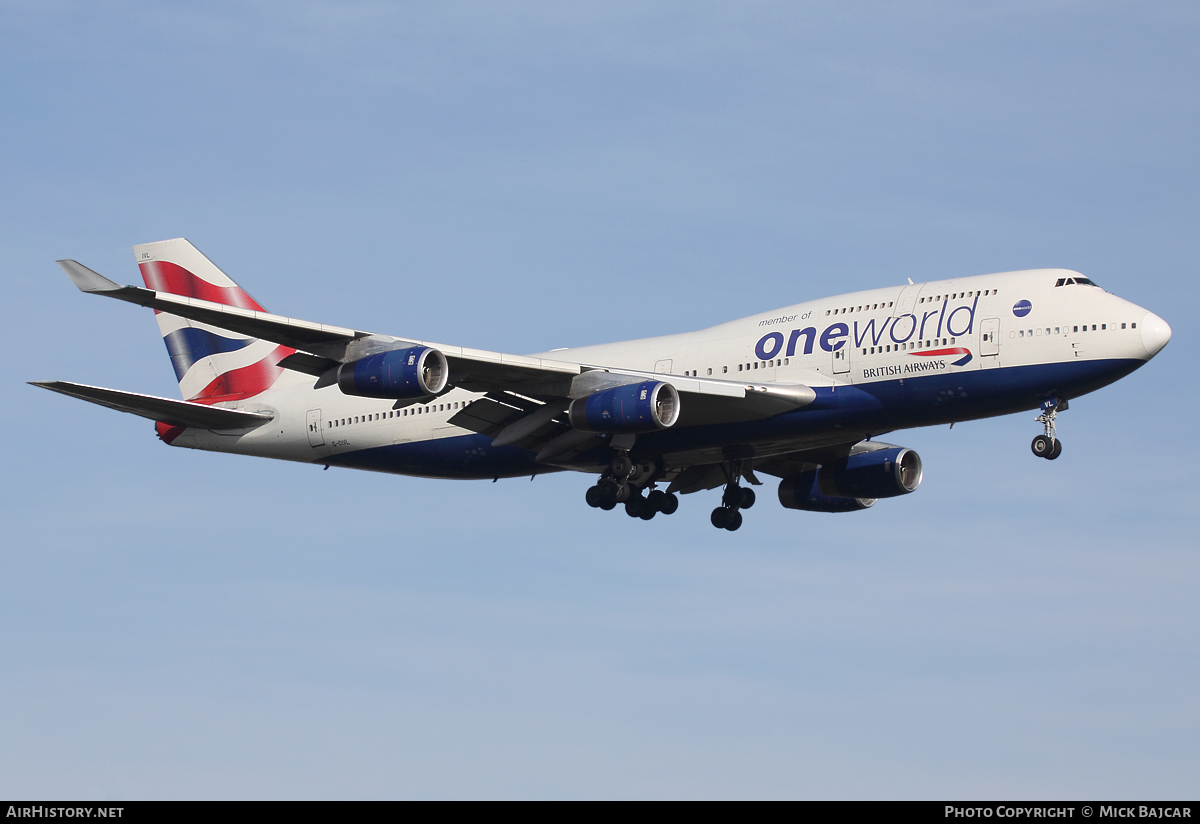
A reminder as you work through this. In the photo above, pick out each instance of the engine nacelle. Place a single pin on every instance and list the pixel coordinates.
(636, 407)
(882, 473)
(804, 492)
(399, 374)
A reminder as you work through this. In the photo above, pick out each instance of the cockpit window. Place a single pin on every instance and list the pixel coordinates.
(1073, 281)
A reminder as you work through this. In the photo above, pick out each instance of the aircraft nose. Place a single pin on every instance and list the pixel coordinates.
(1155, 333)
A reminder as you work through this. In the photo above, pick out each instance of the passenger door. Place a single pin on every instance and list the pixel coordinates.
(841, 360)
(989, 337)
(316, 435)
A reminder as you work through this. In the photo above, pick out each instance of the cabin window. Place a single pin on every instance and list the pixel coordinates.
(1093, 327)
(1103, 326)
(786, 361)
(1022, 333)
(756, 364)
(724, 369)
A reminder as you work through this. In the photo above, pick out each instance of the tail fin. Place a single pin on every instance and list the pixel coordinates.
(212, 364)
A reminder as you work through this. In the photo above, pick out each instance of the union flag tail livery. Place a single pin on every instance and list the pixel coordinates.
(211, 364)
(800, 393)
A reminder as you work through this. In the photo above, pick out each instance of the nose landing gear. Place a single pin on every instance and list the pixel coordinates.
(1048, 446)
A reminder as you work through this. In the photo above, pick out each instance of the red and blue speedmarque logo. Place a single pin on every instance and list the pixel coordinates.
(947, 352)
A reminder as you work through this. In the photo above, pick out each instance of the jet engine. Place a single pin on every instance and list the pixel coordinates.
(636, 407)
(399, 374)
(881, 473)
(803, 492)
(853, 483)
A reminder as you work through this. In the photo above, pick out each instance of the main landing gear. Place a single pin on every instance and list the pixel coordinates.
(734, 499)
(1048, 446)
(617, 486)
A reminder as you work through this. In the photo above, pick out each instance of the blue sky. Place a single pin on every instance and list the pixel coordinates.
(534, 175)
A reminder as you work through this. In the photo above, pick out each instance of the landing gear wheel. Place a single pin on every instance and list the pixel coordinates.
(608, 489)
(634, 506)
(608, 506)
(655, 499)
(732, 496)
(593, 497)
(1056, 451)
(748, 497)
(720, 516)
(622, 466)
(647, 513)
(1042, 446)
(669, 504)
(735, 521)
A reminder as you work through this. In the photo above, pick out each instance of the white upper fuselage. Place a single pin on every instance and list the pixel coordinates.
(1022, 340)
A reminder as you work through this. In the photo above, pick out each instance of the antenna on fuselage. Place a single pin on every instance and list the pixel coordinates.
(910, 283)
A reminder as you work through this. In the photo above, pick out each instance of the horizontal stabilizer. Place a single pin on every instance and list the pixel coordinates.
(176, 413)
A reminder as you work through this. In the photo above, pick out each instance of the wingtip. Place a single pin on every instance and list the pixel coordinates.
(85, 279)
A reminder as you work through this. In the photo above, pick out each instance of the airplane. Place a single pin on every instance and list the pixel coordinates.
(799, 393)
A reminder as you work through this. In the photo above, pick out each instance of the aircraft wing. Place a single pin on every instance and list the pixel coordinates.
(473, 369)
(166, 410)
(543, 380)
